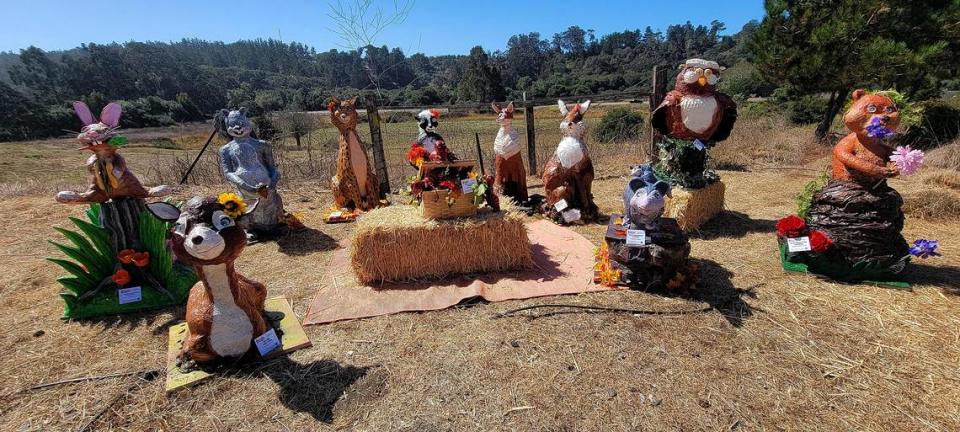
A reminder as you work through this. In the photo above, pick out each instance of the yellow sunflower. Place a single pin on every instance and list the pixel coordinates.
(233, 205)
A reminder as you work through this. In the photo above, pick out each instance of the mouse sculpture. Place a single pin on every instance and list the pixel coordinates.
(511, 176)
(859, 213)
(644, 198)
(355, 186)
(248, 163)
(568, 175)
(661, 260)
(109, 176)
(693, 117)
(225, 310)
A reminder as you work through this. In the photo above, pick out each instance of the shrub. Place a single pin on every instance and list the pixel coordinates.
(939, 123)
(743, 81)
(805, 197)
(806, 109)
(619, 124)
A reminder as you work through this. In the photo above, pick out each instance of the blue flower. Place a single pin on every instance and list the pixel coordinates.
(924, 249)
(876, 130)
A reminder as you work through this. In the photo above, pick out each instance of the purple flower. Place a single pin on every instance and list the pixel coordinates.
(877, 130)
(908, 160)
(924, 249)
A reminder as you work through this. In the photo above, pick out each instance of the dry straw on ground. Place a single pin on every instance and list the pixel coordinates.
(395, 243)
(946, 157)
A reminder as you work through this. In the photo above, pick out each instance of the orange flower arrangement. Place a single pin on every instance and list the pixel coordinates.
(130, 256)
(603, 271)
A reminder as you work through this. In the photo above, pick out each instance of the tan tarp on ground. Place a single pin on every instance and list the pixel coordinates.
(563, 264)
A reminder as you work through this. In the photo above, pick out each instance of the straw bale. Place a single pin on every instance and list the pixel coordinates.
(694, 207)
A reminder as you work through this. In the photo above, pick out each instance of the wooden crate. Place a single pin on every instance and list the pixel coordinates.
(433, 204)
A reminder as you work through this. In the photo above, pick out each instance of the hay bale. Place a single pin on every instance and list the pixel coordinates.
(694, 207)
(932, 204)
(396, 244)
(946, 157)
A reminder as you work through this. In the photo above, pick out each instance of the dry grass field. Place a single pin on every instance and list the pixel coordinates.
(752, 348)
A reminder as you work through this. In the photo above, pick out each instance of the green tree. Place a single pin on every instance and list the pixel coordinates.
(481, 82)
(834, 46)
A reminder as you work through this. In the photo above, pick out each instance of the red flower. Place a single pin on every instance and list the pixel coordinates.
(126, 256)
(820, 241)
(448, 184)
(121, 277)
(141, 259)
(791, 226)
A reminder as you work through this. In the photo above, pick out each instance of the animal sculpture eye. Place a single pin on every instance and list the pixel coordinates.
(180, 228)
(871, 108)
(221, 220)
(889, 109)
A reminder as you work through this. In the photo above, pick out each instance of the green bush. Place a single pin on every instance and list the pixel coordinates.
(619, 124)
(806, 109)
(939, 124)
(743, 81)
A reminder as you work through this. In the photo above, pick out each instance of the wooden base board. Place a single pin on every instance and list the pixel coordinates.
(293, 338)
(694, 207)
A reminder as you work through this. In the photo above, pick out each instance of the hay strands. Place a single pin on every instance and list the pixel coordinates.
(144, 373)
(595, 309)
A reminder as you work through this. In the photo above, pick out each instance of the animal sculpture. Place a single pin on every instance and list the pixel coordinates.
(568, 175)
(109, 176)
(355, 186)
(248, 163)
(644, 198)
(511, 176)
(863, 156)
(694, 110)
(225, 310)
(429, 142)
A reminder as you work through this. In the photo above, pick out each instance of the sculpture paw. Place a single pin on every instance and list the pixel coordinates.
(67, 197)
(160, 191)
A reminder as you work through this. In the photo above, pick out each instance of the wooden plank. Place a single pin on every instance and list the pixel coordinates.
(531, 137)
(376, 140)
(659, 85)
(293, 337)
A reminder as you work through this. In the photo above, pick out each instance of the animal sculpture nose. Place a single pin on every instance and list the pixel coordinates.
(196, 240)
(885, 118)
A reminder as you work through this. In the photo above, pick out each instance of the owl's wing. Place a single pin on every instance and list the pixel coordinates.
(661, 116)
(727, 118)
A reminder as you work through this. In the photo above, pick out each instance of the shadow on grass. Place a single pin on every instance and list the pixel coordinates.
(946, 277)
(716, 289)
(305, 241)
(160, 319)
(733, 224)
(314, 388)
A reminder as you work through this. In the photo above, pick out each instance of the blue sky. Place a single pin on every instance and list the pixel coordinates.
(433, 27)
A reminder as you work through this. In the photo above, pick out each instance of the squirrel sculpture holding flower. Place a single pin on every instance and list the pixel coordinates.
(109, 176)
(863, 156)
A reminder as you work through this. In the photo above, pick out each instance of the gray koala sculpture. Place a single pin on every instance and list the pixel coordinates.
(248, 163)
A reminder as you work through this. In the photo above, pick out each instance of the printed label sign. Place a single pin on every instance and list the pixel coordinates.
(561, 205)
(636, 238)
(267, 342)
(468, 184)
(798, 244)
(571, 215)
(130, 295)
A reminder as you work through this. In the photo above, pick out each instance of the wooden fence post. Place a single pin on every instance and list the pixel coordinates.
(531, 135)
(658, 91)
(476, 135)
(376, 140)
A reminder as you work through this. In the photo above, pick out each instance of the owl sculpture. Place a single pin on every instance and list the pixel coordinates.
(694, 110)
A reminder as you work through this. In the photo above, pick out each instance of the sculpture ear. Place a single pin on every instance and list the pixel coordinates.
(353, 100)
(110, 115)
(164, 211)
(83, 111)
(495, 106)
(251, 207)
(858, 93)
(510, 107)
(243, 110)
(562, 106)
(584, 106)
